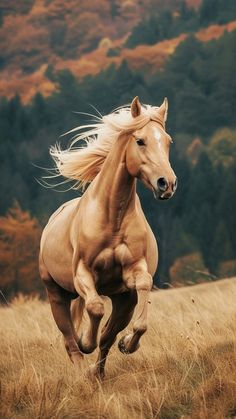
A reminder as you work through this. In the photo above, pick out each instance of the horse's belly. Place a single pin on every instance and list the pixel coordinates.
(59, 266)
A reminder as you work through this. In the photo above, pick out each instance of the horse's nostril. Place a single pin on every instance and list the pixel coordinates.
(162, 184)
(175, 185)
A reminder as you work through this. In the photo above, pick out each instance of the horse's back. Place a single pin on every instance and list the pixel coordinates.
(69, 205)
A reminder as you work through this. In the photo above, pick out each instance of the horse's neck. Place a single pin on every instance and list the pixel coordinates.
(114, 187)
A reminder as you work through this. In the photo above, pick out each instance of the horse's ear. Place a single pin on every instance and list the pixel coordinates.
(163, 110)
(135, 107)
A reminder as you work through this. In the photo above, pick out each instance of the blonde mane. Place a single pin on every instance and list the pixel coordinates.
(83, 162)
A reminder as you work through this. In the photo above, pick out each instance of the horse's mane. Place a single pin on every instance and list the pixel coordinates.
(83, 162)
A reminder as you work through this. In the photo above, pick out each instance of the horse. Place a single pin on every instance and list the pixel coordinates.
(100, 244)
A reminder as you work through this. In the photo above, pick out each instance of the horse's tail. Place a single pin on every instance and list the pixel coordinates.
(77, 310)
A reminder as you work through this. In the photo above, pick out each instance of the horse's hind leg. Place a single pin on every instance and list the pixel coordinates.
(85, 286)
(122, 310)
(60, 301)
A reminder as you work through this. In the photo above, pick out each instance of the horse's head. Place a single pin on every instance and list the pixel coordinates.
(147, 155)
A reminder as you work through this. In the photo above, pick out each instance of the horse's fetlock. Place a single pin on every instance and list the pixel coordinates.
(140, 328)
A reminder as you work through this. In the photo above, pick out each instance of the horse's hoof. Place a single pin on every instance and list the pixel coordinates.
(121, 346)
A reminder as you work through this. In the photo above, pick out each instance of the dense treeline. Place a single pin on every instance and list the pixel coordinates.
(199, 82)
(167, 25)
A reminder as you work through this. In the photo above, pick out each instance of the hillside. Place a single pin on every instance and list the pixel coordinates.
(85, 38)
(145, 58)
(33, 32)
(185, 367)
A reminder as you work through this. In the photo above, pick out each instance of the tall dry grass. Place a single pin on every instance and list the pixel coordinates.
(186, 367)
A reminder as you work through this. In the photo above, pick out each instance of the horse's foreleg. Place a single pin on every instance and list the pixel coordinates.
(122, 311)
(60, 302)
(85, 286)
(139, 278)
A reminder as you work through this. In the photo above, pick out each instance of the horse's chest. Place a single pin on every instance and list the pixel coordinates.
(109, 262)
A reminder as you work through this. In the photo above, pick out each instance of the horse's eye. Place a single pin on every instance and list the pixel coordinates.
(139, 141)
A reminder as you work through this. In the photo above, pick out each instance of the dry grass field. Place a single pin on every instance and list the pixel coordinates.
(185, 368)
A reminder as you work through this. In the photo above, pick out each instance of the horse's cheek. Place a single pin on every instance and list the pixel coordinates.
(133, 160)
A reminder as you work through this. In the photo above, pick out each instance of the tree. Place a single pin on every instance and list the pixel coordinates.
(219, 11)
(221, 248)
(115, 8)
(19, 243)
(222, 147)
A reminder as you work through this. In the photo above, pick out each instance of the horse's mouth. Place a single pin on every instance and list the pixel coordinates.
(162, 197)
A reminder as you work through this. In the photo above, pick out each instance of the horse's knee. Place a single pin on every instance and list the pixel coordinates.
(144, 281)
(86, 345)
(138, 279)
(95, 308)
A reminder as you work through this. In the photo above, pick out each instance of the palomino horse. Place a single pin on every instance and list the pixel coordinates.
(101, 243)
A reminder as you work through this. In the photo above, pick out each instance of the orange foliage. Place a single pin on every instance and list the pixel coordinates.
(227, 269)
(215, 31)
(193, 3)
(194, 150)
(22, 43)
(19, 242)
(26, 85)
(188, 270)
(151, 57)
